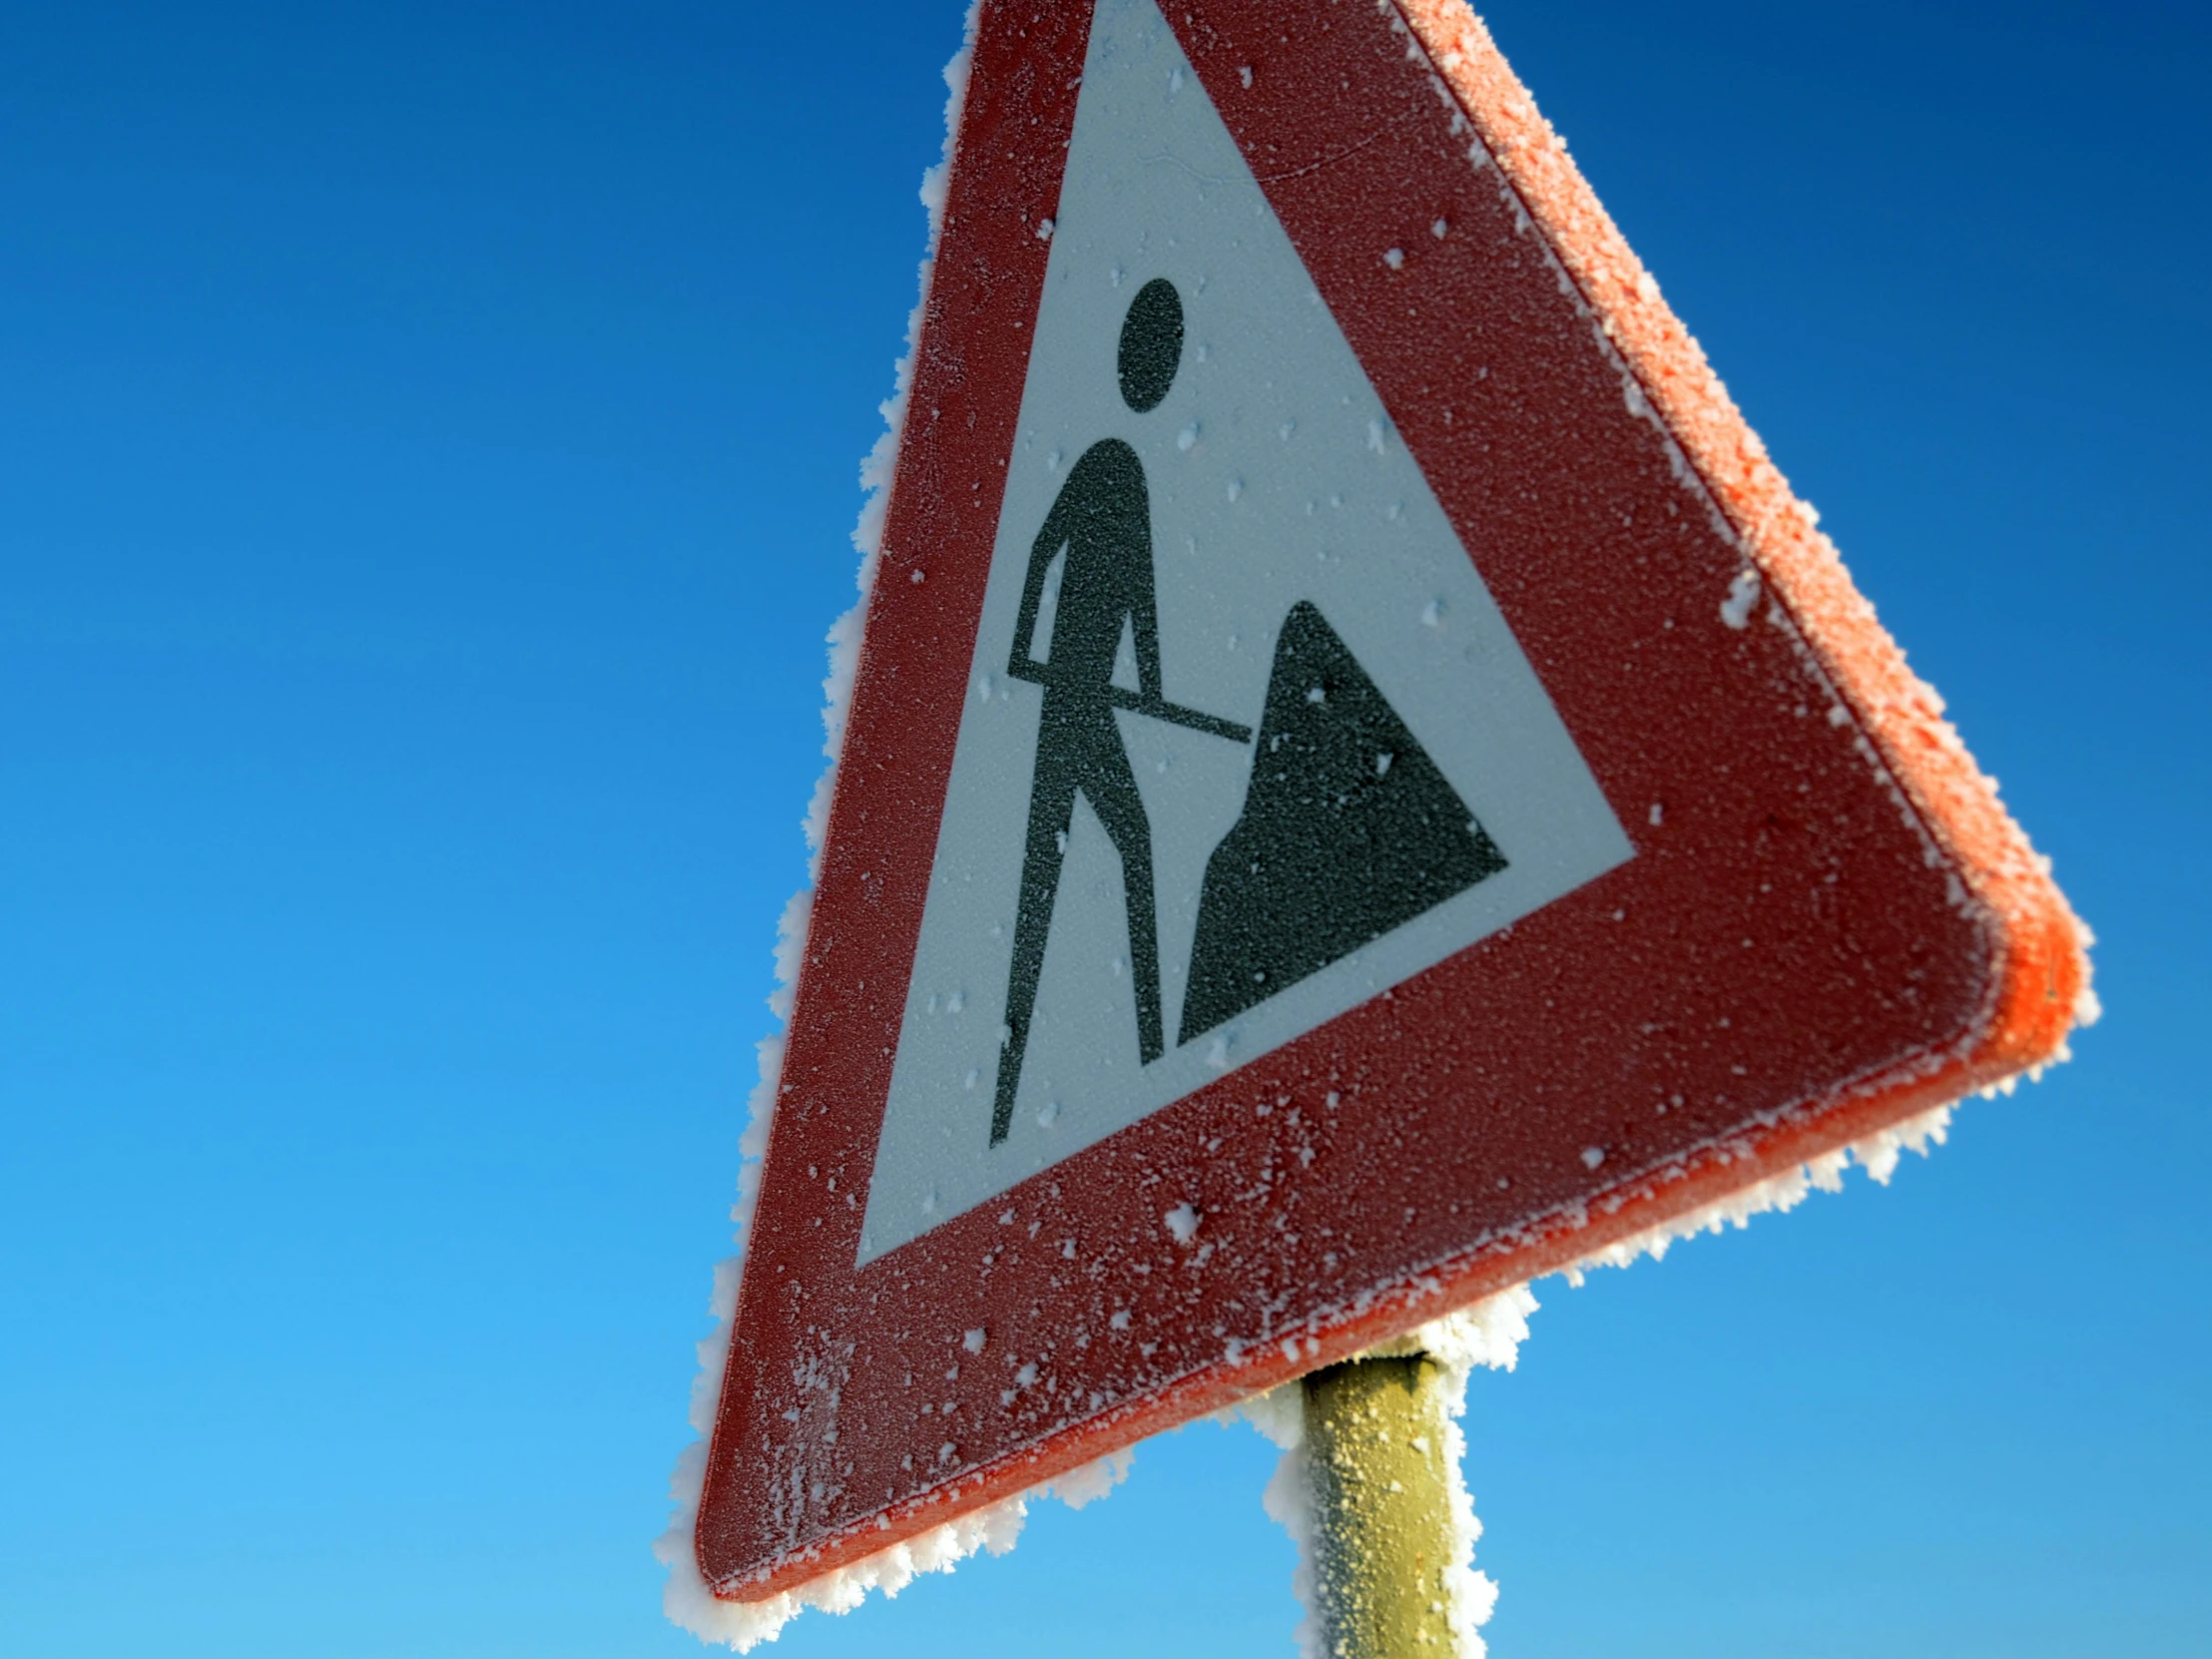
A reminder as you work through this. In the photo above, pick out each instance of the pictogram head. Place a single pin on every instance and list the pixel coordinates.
(1151, 344)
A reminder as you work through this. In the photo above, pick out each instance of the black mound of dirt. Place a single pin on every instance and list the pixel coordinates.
(1349, 831)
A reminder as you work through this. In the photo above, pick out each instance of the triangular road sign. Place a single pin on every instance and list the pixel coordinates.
(1361, 786)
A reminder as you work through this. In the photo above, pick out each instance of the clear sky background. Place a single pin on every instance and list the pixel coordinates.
(427, 451)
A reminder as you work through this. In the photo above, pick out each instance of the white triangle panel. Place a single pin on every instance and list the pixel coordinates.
(1273, 481)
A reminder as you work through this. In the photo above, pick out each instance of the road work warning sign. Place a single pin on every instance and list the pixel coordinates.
(1363, 786)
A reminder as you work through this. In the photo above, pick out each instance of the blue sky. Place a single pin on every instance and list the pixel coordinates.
(428, 450)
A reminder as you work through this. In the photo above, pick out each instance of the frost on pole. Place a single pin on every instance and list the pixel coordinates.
(1362, 785)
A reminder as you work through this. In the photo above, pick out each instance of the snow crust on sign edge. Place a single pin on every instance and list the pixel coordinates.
(1877, 1154)
(686, 1598)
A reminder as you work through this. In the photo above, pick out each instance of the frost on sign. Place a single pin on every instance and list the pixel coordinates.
(1362, 785)
(1247, 742)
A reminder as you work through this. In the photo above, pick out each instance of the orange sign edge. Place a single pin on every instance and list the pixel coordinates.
(2041, 971)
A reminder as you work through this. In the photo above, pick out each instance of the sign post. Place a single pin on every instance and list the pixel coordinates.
(1362, 786)
(1384, 1536)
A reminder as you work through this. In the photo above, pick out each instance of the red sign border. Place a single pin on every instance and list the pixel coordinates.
(920, 640)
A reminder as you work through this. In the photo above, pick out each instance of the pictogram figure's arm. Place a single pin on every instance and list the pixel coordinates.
(1159, 708)
(1047, 547)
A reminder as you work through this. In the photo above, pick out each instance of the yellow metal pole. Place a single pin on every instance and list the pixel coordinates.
(1374, 1433)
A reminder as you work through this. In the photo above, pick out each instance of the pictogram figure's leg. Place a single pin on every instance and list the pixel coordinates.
(1051, 808)
(1111, 788)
